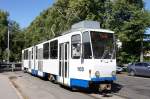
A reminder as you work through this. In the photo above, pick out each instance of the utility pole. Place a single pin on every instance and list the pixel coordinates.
(141, 54)
(8, 45)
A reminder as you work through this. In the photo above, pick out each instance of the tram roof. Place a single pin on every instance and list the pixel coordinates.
(87, 29)
(87, 25)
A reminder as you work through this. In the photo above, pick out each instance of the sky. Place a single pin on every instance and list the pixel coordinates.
(147, 6)
(25, 11)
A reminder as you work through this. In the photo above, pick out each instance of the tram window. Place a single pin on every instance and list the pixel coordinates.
(54, 49)
(36, 52)
(87, 54)
(46, 50)
(76, 46)
(103, 45)
(32, 53)
(26, 54)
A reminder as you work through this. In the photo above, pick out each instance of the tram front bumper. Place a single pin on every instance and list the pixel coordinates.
(99, 79)
(103, 82)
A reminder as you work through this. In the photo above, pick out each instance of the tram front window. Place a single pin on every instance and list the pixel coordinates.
(102, 45)
(86, 46)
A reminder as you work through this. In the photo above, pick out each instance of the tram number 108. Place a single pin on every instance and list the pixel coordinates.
(80, 69)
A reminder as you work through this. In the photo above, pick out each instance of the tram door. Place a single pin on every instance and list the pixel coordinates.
(64, 63)
(30, 61)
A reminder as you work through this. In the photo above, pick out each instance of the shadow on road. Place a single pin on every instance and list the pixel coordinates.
(115, 89)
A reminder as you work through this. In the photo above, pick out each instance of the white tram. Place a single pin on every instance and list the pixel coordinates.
(81, 58)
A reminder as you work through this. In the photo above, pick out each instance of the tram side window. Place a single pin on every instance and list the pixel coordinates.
(76, 46)
(26, 55)
(87, 54)
(54, 49)
(32, 53)
(36, 52)
(46, 50)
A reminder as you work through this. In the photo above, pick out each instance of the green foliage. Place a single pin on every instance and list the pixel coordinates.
(127, 18)
(3, 31)
(16, 38)
(61, 16)
(147, 59)
(17, 41)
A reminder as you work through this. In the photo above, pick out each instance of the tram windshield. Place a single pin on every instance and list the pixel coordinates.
(103, 45)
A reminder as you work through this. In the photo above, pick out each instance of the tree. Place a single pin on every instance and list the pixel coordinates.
(59, 18)
(129, 20)
(17, 41)
(3, 31)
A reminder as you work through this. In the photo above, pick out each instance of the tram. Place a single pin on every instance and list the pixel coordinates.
(82, 57)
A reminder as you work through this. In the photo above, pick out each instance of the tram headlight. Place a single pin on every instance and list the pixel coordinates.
(113, 73)
(97, 73)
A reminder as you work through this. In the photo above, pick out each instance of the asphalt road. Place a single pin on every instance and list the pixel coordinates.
(132, 87)
(32, 87)
(7, 91)
(35, 88)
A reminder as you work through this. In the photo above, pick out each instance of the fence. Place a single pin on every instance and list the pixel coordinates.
(10, 67)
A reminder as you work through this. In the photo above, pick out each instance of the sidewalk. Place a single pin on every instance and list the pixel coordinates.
(7, 91)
